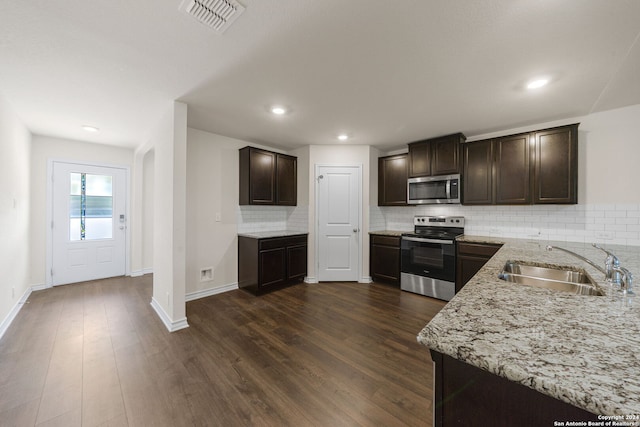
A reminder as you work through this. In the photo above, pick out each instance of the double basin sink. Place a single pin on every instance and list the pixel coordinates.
(563, 279)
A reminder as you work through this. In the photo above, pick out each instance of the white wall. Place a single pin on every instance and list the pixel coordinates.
(212, 188)
(340, 155)
(147, 212)
(43, 149)
(168, 143)
(610, 168)
(15, 146)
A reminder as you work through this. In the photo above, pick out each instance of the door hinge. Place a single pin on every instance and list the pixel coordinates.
(52, 225)
(52, 272)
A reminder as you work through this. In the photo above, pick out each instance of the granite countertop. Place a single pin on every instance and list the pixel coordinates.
(394, 233)
(270, 234)
(580, 349)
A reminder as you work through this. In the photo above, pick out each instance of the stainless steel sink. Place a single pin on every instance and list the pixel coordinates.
(565, 279)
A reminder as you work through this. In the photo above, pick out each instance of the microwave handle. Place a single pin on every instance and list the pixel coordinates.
(448, 187)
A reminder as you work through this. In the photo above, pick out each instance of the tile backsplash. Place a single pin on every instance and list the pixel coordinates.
(272, 218)
(585, 223)
(600, 223)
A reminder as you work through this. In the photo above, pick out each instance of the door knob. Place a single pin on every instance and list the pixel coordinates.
(355, 230)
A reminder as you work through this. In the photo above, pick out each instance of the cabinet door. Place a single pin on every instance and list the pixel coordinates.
(470, 258)
(385, 263)
(556, 166)
(287, 177)
(296, 262)
(392, 180)
(513, 186)
(262, 177)
(272, 270)
(467, 267)
(445, 155)
(478, 173)
(419, 159)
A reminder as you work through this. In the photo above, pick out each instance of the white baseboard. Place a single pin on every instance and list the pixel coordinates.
(15, 310)
(142, 272)
(41, 287)
(365, 279)
(171, 325)
(310, 279)
(209, 292)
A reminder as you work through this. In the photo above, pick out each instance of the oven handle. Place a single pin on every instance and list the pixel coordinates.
(418, 239)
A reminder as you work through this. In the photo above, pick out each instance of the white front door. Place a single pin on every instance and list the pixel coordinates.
(89, 222)
(338, 213)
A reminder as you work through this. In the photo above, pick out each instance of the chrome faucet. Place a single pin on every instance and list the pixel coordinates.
(626, 282)
(594, 265)
(611, 265)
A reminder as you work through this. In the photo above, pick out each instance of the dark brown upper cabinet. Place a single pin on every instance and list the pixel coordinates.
(392, 180)
(267, 178)
(286, 180)
(436, 156)
(555, 172)
(531, 168)
(478, 173)
(512, 170)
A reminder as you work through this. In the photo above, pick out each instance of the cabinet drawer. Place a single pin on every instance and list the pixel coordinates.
(478, 249)
(385, 240)
(281, 242)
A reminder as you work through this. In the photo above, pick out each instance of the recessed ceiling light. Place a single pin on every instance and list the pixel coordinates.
(90, 128)
(278, 110)
(537, 83)
(343, 137)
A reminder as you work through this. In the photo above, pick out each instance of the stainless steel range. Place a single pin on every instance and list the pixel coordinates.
(428, 256)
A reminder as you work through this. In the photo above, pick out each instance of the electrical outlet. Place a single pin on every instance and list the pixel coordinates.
(607, 235)
(535, 233)
(218, 217)
(13, 293)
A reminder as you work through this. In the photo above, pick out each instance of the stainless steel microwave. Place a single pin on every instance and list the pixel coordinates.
(434, 189)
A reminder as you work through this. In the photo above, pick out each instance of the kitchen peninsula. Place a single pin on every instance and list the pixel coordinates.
(577, 349)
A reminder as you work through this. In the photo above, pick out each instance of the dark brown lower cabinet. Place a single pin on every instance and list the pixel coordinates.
(469, 396)
(470, 258)
(384, 259)
(272, 263)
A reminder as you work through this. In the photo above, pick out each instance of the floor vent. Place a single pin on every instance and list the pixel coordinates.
(215, 14)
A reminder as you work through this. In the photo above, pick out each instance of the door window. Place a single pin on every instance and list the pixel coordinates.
(90, 206)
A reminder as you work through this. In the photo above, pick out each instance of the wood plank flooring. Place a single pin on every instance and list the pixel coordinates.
(330, 354)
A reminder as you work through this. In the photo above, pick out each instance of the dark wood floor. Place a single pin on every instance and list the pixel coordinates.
(333, 354)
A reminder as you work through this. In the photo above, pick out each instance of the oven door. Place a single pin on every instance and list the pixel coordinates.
(431, 258)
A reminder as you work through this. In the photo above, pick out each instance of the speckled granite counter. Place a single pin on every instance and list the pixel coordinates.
(584, 350)
(270, 234)
(394, 233)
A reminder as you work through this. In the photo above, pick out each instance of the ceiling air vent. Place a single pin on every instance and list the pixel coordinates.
(216, 14)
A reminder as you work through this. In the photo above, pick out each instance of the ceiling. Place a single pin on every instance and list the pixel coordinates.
(384, 72)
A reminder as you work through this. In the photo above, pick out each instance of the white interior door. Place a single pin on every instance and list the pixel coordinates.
(89, 222)
(338, 213)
